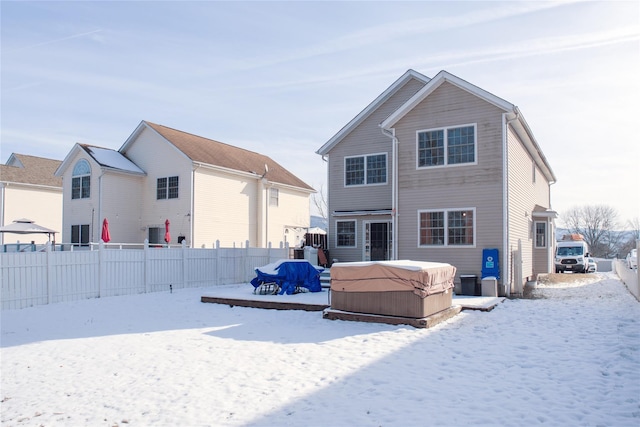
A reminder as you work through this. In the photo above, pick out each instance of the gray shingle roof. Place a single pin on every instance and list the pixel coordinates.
(208, 151)
(36, 171)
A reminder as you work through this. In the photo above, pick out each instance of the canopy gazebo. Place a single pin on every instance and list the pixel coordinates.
(27, 226)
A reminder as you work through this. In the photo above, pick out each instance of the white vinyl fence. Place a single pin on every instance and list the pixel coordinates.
(630, 277)
(35, 278)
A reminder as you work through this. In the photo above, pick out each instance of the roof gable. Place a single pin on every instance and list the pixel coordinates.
(105, 158)
(514, 115)
(373, 106)
(24, 169)
(217, 154)
(432, 85)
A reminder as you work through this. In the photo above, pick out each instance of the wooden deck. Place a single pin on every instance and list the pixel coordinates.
(270, 305)
(424, 322)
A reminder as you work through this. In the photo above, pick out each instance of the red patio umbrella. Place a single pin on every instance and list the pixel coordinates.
(167, 235)
(106, 236)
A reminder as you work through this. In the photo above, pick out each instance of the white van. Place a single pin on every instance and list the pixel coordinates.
(571, 255)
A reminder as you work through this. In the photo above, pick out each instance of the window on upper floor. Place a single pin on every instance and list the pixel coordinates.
(346, 234)
(81, 180)
(167, 188)
(365, 170)
(446, 146)
(274, 195)
(446, 227)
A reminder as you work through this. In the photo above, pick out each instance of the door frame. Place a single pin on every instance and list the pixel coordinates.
(366, 243)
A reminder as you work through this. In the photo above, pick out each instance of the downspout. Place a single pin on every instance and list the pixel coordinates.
(394, 191)
(193, 206)
(505, 195)
(100, 218)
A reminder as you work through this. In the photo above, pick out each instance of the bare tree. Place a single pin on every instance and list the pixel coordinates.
(597, 224)
(630, 237)
(319, 200)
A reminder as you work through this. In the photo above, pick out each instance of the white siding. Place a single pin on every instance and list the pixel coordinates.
(41, 205)
(159, 159)
(121, 196)
(292, 211)
(225, 209)
(81, 211)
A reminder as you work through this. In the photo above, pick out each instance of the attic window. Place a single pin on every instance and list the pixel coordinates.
(81, 180)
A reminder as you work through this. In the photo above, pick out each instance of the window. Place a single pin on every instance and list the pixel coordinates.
(274, 194)
(446, 228)
(346, 234)
(81, 180)
(156, 235)
(365, 170)
(167, 188)
(458, 147)
(80, 235)
(541, 234)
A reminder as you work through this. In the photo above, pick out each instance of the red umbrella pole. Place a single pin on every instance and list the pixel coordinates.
(167, 235)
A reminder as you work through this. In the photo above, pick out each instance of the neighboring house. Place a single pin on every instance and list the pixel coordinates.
(209, 191)
(438, 170)
(29, 189)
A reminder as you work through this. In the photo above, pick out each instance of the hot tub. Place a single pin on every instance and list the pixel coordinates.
(414, 289)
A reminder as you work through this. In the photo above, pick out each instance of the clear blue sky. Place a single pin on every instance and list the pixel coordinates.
(281, 78)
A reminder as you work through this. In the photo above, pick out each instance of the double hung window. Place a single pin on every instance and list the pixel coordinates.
(446, 227)
(167, 188)
(365, 170)
(446, 146)
(81, 180)
(346, 234)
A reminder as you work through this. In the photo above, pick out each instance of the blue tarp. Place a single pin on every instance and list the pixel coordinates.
(289, 275)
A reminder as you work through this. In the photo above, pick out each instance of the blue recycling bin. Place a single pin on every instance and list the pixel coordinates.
(490, 263)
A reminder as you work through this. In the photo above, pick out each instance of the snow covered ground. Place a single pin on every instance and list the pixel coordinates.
(569, 357)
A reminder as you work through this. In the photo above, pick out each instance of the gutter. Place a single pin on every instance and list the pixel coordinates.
(391, 133)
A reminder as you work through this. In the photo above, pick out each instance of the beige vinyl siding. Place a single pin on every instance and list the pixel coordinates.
(365, 139)
(524, 195)
(39, 204)
(458, 187)
(292, 211)
(160, 159)
(226, 209)
(121, 195)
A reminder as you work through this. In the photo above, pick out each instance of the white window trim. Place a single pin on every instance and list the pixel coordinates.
(386, 166)
(355, 230)
(446, 227)
(446, 143)
(535, 234)
(274, 201)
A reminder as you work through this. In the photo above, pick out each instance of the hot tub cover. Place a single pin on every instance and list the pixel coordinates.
(289, 274)
(422, 278)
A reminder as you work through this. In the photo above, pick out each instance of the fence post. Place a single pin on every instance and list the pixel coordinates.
(184, 264)
(245, 263)
(217, 255)
(101, 267)
(49, 274)
(147, 270)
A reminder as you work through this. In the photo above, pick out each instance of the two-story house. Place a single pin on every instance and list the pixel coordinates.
(438, 170)
(207, 190)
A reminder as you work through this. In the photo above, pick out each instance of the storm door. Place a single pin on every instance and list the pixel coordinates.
(377, 241)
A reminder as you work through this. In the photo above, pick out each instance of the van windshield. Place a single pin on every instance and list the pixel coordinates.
(570, 251)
